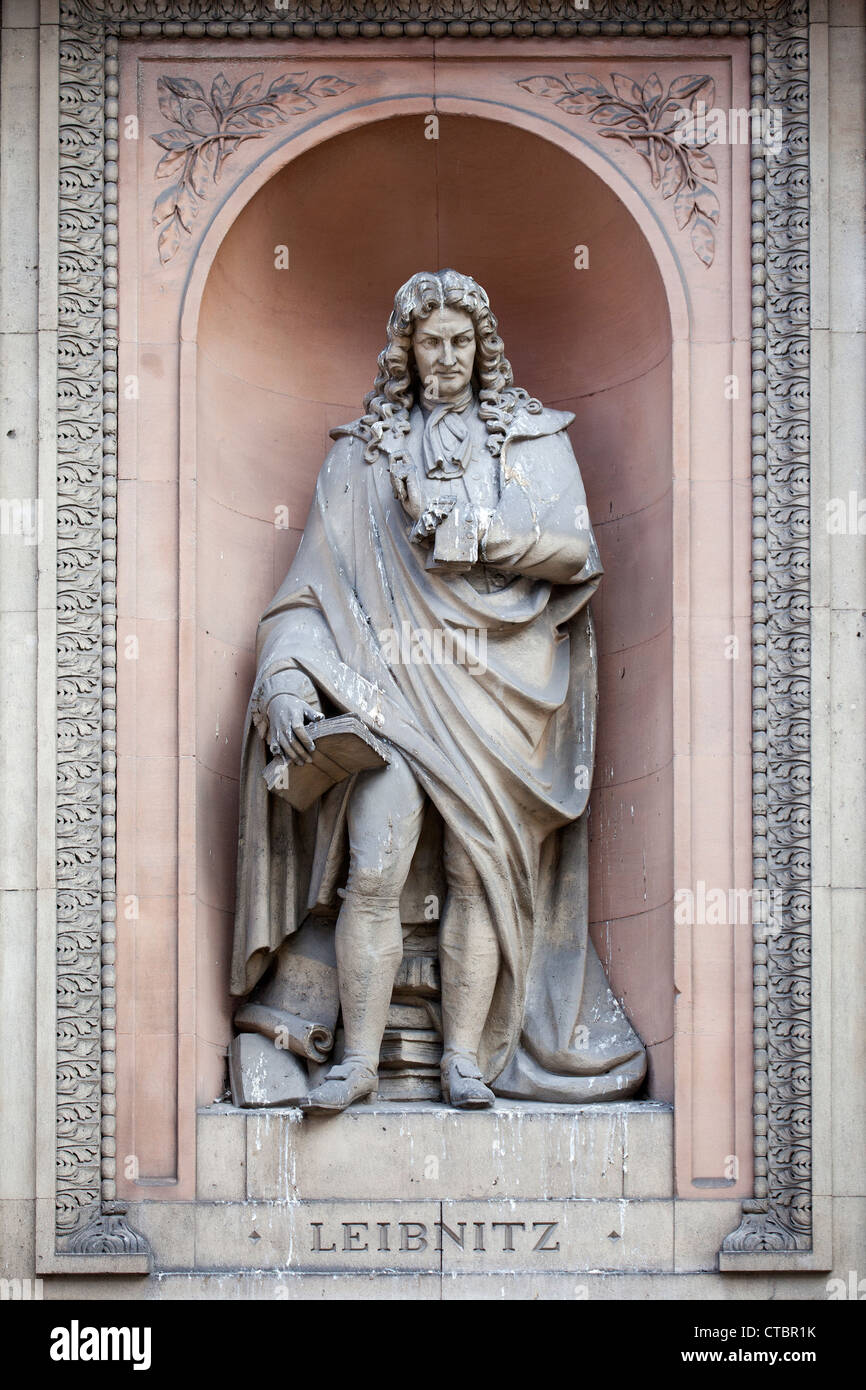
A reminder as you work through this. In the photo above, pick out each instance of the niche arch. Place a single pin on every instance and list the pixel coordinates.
(276, 357)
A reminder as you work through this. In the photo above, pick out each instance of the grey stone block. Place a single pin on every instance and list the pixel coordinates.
(427, 1151)
(221, 1154)
(264, 1075)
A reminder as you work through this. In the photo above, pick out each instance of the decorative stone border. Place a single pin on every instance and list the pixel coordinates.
(89, 1220)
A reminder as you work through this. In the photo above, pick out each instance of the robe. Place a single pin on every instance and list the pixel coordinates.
(503, 746)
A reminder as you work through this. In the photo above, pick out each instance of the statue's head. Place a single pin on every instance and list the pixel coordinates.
(442, 335)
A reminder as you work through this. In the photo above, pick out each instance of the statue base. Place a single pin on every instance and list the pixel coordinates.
(415, 1189)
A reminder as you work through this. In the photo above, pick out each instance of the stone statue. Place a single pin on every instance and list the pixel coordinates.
(438, 602)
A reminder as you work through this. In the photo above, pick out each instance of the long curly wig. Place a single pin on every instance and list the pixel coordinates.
(397, 384)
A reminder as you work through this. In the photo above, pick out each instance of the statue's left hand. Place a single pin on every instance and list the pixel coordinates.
(287, 717)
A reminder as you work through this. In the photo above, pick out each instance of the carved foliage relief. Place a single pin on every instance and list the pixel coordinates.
(83, 794)
(648, 117)
(207, 129)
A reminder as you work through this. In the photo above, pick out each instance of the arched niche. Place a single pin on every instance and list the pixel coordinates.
(285, 353)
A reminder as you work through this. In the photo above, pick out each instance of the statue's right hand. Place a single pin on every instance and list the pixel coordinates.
(437, 510)
(287, 734)
(405, 486)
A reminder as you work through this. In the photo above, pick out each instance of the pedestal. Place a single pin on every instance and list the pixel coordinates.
(411, 1189)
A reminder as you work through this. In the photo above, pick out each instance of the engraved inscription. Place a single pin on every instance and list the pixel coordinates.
(408, 1237)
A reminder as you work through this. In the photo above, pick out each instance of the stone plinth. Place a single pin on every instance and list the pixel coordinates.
(409, 1188)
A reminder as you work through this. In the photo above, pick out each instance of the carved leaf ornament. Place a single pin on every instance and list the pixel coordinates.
(207, 129)
(655, 122)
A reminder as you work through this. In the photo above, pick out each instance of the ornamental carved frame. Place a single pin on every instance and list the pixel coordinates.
(87, 1228)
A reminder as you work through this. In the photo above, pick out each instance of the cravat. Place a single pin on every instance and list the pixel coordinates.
(446, 446)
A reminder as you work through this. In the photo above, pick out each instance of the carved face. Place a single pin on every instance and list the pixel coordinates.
(444, 347)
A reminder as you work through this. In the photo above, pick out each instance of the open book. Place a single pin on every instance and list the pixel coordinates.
(343, 746)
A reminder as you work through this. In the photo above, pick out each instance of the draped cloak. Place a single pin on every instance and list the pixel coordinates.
(503, 746)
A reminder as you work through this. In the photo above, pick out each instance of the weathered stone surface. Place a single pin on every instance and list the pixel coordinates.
(480, 1237)
(699, 1229)
(221, 1155)
(264, 1075)
(169, 1228)
(424, 1151)
(16, 1238)
(310, 1235)
(546, 1236)
(648, 1156)
(580, 1236)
